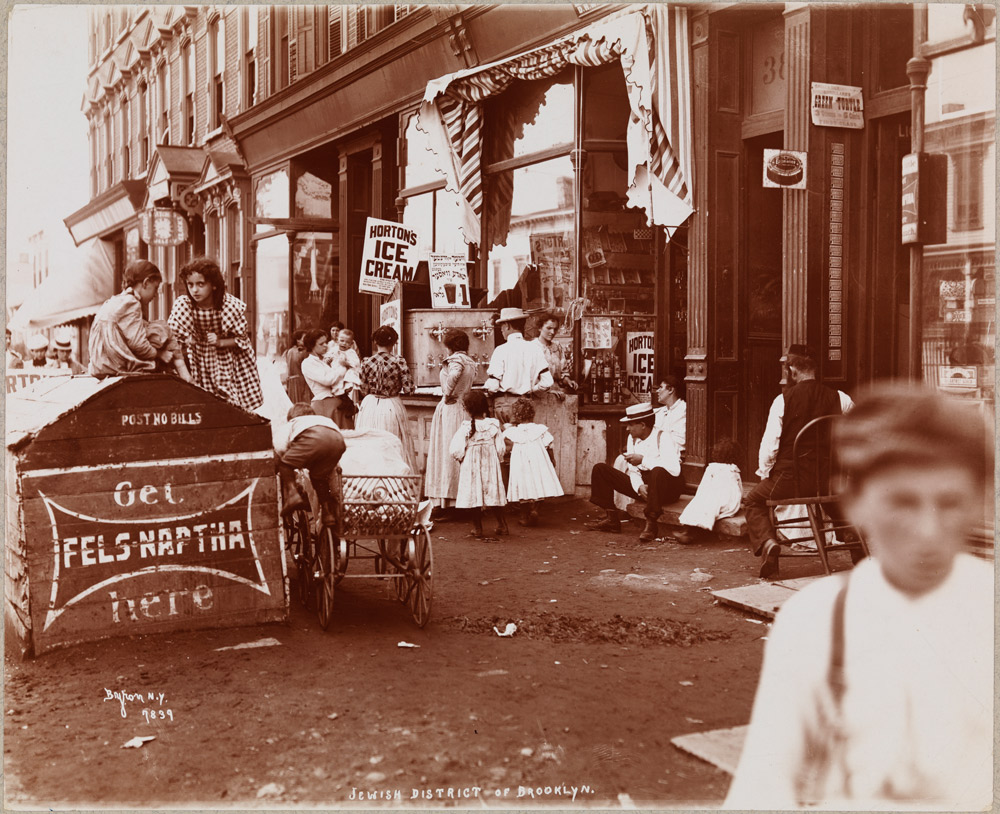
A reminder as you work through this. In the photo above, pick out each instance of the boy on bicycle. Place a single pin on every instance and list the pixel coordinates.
(311, 442)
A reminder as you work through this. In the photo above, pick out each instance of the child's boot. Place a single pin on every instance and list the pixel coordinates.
(477, 523)
(291, 498)
(502, 529)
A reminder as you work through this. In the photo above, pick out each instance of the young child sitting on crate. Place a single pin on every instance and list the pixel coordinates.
(311, 442)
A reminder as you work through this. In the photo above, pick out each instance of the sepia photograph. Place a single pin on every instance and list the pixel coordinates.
(516, 405)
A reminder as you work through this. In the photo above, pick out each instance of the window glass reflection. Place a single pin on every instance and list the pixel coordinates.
(272, 298)
(315, 283)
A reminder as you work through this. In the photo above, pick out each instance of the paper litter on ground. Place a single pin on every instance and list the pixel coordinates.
(268, 642)
(720, 747)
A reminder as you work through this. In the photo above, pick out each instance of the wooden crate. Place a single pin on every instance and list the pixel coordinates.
(137, 504)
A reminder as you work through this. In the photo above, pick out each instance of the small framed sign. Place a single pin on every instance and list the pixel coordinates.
(785, 169)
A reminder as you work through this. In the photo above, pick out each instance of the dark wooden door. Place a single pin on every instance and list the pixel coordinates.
(356, 203)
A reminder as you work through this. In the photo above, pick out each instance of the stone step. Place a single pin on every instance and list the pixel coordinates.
(735, 526)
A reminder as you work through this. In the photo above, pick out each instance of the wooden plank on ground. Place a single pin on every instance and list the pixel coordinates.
(720, 747)
(764, 598)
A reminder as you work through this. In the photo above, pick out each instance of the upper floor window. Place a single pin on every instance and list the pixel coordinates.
(143, 127)
(163, 100)
(188, 80)
(126, 139)
(216, 66)
(967, 190)
(280, 50)
(249, 56)
(106, 153)
(335, 31)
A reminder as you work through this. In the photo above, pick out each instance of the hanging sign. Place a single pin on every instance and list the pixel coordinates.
(837, 106)
(785, 169)
(449, 277)
(639, 361)
(391, 313)
(162, 227)
(389, 256)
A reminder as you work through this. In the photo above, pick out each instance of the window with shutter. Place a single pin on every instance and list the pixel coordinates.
(361, 26)
(335, 17)
(402, 11)
(264, 43)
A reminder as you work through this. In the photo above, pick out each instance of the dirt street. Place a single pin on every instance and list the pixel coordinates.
(619, 648)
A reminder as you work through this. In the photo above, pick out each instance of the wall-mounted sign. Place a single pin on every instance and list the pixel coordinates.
(837, 106)
(449, 277)
(389, 256)
(162, 227)
(785, 169)
(924, 191)
(639, 362)
(391, 313)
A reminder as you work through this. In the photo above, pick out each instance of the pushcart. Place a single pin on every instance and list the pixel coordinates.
(378, 518)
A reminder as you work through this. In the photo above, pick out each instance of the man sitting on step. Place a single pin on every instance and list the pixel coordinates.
(653, 473)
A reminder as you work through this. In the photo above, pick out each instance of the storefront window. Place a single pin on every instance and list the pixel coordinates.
(541, 114)
(271, 197)
(315, 290)
(435, 214)
(313, 197)
(536, 253)
(272, 306)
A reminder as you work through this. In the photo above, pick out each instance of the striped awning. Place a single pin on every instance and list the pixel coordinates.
(652, 46)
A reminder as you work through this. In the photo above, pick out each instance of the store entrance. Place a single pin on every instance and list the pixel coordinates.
(762, 299)
(355, 209)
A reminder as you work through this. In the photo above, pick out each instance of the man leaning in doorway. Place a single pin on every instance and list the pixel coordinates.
(805, 400)
(653, 474)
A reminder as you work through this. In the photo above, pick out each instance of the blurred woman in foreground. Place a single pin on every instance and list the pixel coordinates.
(877, 685)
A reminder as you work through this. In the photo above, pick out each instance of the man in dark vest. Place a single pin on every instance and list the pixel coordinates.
(805, 400)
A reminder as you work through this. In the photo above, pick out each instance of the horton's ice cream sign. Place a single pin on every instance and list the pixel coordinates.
(389, 256)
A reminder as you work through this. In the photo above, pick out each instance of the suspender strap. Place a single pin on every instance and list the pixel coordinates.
(835, 673)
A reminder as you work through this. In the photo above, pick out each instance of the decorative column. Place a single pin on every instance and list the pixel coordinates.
(696, 359)
(917, 69)
(795, 257)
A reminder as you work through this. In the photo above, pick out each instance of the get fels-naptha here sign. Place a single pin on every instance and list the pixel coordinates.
(389, 256)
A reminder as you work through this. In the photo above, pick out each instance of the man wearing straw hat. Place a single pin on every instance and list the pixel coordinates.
(517, 367)
(653, 473)
(64, 357)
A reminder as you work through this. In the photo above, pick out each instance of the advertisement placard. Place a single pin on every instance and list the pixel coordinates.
(639, 362)
(389, 256)
(837, 106)
(449, 277)
(785, 169)
(391, 313)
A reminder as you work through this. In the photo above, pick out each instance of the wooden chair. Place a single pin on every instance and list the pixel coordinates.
(823, 521)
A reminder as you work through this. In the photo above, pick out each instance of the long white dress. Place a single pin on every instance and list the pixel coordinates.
(441, 479)
(480, 481)
(532, 475)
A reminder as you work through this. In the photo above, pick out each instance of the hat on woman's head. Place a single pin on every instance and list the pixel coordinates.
(38, 342)
(511, 315)
(637, 412)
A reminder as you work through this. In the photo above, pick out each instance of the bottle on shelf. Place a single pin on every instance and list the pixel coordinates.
(595, 384)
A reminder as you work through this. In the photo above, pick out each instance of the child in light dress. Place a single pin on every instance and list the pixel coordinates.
(478, 445)
(533, 476)
(343, 351)
(719, 494)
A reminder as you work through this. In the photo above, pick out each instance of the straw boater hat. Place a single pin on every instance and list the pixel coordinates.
(510, 315)
(63, 343)
(38, 342)
(637, 412)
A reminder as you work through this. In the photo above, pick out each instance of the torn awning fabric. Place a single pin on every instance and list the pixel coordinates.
(652, 46)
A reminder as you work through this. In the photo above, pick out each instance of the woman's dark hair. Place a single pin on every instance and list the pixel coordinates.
(726, 451)
(139, 271)
(297, 335)
(522, 411)
(675, 383)
(385, 336)
(210, 270)
(312, 337)
(456, 340)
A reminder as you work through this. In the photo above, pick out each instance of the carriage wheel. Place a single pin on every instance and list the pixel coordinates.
(341, 562)
(419, 576)
(382, 566)
(326, 579)
(301, 538)
(398, 588)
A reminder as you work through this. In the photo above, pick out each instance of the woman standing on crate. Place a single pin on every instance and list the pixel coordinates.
(383, 377)
(458, 372)
(212, 327)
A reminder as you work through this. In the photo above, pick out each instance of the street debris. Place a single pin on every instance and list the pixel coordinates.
(375, 759)
(509, 630)
(686, 683)
(694, 720)
(527, 751)
(625, 801)
(375, 777)
(544, 571)
(618, 629)
(333, 716)
(755, 621)
(700, 576)
(270, 641)
(488, 673)
(137, 742)
(407, 644)
(271, 790)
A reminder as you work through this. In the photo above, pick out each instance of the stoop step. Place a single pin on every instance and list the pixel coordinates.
(735, 526)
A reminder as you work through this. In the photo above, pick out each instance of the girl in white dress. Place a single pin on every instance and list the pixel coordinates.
(533, 476)
(478, 445)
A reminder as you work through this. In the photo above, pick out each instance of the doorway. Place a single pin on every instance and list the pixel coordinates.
(356, 205)
(762, 300)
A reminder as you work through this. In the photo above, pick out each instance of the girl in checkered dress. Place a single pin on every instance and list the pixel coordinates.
(212, 326)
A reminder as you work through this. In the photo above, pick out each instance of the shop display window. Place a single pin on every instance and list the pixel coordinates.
(272, 298)
(271, 197)
(315, 280)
